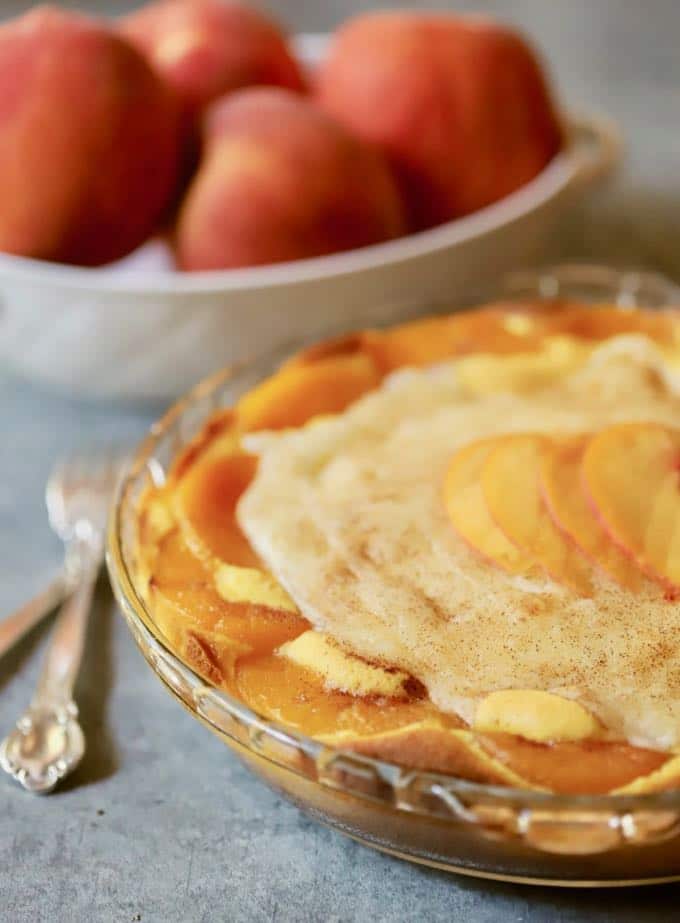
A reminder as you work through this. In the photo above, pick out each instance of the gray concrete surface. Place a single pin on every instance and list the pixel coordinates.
(161, 823)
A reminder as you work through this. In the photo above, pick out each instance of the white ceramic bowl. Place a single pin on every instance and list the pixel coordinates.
(140, 330)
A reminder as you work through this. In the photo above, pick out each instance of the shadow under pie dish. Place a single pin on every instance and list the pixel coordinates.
(409, 549)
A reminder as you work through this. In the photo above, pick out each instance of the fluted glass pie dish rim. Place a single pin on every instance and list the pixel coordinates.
(555, 829)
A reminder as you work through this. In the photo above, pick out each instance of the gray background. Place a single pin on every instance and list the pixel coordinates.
(161, 822)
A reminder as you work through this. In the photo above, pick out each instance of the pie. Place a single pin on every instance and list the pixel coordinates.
(453, 545)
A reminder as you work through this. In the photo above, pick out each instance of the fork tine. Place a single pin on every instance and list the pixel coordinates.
(79, 488)
(56, 474)
(54, 491)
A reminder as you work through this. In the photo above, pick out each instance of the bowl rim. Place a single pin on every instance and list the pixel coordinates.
(593, 146)
(548, 282)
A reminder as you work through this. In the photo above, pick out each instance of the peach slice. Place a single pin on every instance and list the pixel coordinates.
(560, 471)
(575, 768)
(205, 505)
(174, 565)
(632, 474)
(280, 689)
(469, 513)
(347, 344)
(511, 485)
(248, 627)
(507, 328)
(435, 339)
(186, 599)
(299, 392)
(217, 434)
(599, 322)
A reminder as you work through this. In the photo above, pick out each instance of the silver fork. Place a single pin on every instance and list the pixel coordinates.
(47, 742)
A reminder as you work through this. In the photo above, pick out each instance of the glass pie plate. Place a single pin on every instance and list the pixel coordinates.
(434, 819)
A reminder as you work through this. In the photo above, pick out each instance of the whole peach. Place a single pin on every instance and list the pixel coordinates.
(205, 48)
(89, 140)
(281, 180)
(460, 106)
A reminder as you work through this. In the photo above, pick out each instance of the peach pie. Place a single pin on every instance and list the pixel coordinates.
(453, 545)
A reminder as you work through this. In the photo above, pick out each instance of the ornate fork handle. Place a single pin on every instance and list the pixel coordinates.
(47, 742)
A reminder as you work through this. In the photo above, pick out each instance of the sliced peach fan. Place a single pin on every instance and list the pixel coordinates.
(526, 500)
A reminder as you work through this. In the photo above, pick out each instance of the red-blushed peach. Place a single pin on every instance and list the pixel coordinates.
(460, 105)
(281, 180)
(89, 140)
(205, 48)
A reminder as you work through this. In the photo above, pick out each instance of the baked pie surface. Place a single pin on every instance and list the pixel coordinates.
(414, 584)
